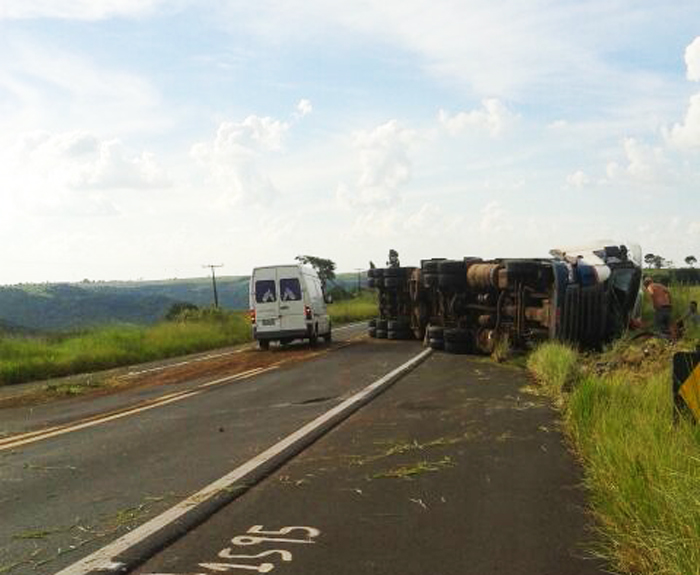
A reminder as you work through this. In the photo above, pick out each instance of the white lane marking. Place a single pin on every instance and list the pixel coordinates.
(102, 558)
(31, 437)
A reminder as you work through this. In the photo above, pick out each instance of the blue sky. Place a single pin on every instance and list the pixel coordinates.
(143, 139)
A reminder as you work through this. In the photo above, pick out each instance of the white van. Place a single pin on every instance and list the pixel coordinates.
(286, 303)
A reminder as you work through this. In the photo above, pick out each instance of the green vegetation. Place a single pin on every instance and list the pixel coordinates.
(364, 306)
(26, 359)
(642, 470)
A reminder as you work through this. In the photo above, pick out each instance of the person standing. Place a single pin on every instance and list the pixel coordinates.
(661, 300)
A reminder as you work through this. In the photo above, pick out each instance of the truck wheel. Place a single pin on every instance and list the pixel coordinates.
(393, 282)
(328, 337)
(399, 324)
(435, 332)
(264, 344)
(460, 347)
(372, 331)
(436, 343)
(381, 333)
(399, 334)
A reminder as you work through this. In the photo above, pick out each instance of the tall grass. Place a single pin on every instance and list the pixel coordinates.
(358, 308)
(642, 470)
(26, 359)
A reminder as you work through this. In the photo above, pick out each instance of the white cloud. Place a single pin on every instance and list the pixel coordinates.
(384, 166)
(76, 9)
(304, 107)
(687, 134)
(578, 179)
(494, 218)
(494, 117)
(233, 158)
(80, 160)
(692, 60)
(644, 163)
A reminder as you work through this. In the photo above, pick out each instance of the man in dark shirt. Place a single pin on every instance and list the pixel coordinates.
(661, 300)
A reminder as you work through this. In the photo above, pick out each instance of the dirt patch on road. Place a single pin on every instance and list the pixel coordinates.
(197, 368)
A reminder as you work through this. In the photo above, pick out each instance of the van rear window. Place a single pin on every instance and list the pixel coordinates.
(265, 291)
(290, 290)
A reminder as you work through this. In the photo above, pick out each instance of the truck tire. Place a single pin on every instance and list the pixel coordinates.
(399, 324)
(456, 335)
(372, 332)
(328, 337)
(431, 266)
(435, 332)
(264, 344)
(452, 267)
(460, 347)
(393, 282)
(381, 333)
(436, 343)
(400, 334)
(430, 280)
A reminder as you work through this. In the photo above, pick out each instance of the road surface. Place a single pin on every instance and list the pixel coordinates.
(454, 468)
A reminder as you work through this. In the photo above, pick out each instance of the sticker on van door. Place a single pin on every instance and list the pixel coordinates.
(265, 291)
(290, 290)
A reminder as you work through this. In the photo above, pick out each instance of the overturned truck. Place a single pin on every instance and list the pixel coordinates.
(585, 296)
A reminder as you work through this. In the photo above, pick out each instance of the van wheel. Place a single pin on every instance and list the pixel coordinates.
(264, 344)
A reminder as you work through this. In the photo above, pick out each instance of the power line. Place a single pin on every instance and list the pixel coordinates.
(213, 281)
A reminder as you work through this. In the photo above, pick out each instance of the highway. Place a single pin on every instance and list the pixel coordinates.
(78, 476)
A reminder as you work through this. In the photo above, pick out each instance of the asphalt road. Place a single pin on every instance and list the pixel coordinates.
(65, 496)
(457, 469)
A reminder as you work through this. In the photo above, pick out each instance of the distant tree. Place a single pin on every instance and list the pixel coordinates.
(691, 261)
(659, 262)
(649, 259)
(324, 268)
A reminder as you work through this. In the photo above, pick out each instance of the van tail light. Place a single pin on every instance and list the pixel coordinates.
(252, 316)
(307, 311)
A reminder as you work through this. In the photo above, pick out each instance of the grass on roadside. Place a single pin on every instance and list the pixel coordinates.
(642, 470)
(25, 358)
(358, 308)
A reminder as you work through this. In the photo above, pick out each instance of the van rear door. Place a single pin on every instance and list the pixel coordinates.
(291, 305)
(266, 299)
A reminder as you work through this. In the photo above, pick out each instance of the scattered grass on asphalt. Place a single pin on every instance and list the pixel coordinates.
(414, 469)
(642, 470)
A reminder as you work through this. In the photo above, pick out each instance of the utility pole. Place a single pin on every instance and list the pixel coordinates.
(213, 281)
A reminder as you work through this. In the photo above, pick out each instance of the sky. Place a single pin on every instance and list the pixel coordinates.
(145, 139)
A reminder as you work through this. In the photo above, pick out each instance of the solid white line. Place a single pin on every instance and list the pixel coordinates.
(102, 559)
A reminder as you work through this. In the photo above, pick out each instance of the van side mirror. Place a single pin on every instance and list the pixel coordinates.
(328, 298)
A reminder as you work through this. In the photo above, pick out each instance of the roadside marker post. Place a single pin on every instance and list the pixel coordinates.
(686, 383)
